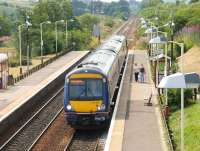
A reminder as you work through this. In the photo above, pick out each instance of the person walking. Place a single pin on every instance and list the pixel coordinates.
(136, 69)
(142, 73)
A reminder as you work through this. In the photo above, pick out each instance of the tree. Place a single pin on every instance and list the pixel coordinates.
(194, 1)
(5, 26)
(150, 3)
(53, 11)
(119, 9)
(87, 21)
(79, 7)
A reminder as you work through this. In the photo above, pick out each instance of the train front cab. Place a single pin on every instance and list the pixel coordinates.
(86, 100)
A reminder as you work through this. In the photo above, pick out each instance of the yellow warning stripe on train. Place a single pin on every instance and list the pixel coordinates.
(86, 75)
(85, 106)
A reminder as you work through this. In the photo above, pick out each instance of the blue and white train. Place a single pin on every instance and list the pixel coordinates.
(89, 88)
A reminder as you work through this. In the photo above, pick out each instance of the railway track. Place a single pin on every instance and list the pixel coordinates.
(85, 140)
(56, 136)
(26, 136)
(47, 129)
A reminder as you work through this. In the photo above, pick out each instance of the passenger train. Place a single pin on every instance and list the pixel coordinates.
(89, 88)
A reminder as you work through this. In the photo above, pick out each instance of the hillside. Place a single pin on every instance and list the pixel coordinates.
(19, 3)
(192, 60)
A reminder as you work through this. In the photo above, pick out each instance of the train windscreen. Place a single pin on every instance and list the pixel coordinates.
(85, 89)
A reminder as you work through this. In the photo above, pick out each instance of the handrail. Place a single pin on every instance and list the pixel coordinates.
(164, 120)
(38, 67)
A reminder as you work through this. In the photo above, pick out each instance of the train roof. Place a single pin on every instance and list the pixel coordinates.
(113, 44)
(102, 58)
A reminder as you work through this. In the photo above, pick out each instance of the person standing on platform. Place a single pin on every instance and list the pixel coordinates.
(136, 72)
(142, 73)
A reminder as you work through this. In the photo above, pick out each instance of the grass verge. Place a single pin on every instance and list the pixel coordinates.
(192, 127)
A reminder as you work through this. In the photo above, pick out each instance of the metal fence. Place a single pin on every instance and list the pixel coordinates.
(34, 69)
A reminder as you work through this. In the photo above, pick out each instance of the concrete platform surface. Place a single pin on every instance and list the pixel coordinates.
(138, 127)
(14, 96)
(143, 131)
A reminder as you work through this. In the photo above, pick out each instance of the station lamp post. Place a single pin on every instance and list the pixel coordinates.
(167, 84)
(66, 34)
(20, 47)
(71, 39)
(181, 45)
(56, 34)
(162, 40)
(41, 38)
(28, 24)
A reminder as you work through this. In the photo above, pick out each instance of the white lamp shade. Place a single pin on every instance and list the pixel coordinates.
(150, 30)
(180, 80)
(144, 26)
(158, 40)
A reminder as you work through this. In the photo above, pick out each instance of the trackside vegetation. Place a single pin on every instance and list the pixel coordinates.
(192, 127)
(79, 25)
(187, 30)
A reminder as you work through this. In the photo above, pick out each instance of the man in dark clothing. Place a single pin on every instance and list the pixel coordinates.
(136, 72)
(142, 72)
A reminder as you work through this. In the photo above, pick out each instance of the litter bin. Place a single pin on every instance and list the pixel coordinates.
(10, 80)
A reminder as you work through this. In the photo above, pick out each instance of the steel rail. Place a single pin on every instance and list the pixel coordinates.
(45, 130)
(31, 119)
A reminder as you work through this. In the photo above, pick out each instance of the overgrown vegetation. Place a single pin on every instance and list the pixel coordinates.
(79, 25)
(187, 30)
(192, 127)
(119, 9)
(183, 15)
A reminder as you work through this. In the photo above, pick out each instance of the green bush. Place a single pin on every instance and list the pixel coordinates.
(188, 43)
(80, 38)
(174, 97)
(109, 22)
(13, 61)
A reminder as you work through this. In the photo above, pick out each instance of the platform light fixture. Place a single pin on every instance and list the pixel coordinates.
(41, 38)
(56, 33)
(20, 47)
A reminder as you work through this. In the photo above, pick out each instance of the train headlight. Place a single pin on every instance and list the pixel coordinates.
(69, 107)
(102, 107)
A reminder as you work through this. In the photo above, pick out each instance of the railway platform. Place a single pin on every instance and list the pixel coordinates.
(136, 126)
(12, 98)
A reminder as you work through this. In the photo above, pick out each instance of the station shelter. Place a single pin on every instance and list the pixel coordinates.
(3, 70)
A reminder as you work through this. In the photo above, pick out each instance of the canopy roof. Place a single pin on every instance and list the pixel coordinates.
(180, 80)
(150, 30)
(160, 56)
(158, 40)
(3, 57)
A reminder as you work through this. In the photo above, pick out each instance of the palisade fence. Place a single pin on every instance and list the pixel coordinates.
(12, 80)
(192, 32)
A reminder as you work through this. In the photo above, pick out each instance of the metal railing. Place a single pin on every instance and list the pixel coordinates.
(165, 123)
(36, 68)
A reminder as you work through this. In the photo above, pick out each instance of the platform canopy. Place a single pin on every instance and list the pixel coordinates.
(144, 26)
(159, 57)
(3, 57)
(180, 80)
(158, 40)
(150, 30)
